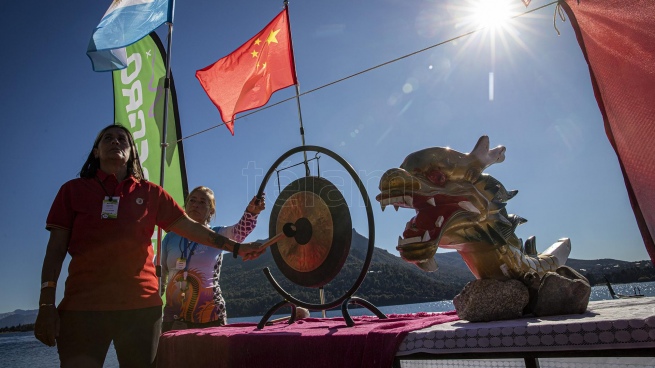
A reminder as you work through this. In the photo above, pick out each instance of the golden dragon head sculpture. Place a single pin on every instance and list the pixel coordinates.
(459, 207)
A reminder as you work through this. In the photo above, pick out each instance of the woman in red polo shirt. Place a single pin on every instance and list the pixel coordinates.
(105, 220)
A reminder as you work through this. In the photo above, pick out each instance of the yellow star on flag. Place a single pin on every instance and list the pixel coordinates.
(271, 37)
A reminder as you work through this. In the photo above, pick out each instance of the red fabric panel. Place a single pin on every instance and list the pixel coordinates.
(311, 342)
(617, 38)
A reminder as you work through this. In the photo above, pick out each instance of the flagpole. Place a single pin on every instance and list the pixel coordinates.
(302, 129)
(321, 293)
(164, 143)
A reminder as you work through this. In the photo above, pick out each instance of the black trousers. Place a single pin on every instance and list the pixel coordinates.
(84, 337)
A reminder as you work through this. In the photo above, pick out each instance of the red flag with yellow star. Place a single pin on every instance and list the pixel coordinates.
(246, 78)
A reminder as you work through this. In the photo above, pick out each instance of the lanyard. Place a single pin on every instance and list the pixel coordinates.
(183, 283)
(111, 197)
(183, 253)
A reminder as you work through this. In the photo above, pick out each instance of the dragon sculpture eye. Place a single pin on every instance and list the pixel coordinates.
(437, 177)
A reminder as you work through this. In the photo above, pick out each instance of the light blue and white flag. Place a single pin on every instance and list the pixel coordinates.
(124, 23)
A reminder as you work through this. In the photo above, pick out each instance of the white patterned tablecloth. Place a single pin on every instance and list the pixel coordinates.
(608, 324)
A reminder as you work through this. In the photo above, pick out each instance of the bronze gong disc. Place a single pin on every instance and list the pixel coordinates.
(321, 219)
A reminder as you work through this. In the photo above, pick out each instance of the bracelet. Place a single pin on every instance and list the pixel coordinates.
(46, 305)
(235, 250)
(48, 284)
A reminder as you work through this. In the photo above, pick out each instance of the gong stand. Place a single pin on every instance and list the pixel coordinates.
(310, 232)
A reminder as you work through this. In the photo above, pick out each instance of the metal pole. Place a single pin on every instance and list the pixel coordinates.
(302, 129)
(164, 143)
(321, 295)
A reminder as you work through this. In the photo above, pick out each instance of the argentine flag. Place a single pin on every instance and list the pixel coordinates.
(124, 23)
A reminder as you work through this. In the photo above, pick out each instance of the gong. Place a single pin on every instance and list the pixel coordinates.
(320, 218)
(310, 234)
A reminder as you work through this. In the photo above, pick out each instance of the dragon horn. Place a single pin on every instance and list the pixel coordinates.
(485, 156)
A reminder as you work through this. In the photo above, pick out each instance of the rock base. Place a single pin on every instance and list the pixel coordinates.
(491, 300)
(564, 291)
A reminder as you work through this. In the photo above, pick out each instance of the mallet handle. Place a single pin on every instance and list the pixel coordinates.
(273, 240)
(288, 230)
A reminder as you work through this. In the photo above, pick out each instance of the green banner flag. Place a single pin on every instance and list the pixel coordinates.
(139, 106)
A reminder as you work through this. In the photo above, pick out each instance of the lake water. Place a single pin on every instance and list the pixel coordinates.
(22, 350)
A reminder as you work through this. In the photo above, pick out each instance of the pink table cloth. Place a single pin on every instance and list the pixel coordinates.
(311, 342)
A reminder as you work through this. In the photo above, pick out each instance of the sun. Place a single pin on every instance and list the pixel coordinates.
(494, 25)
(494, 19)
(491, 13)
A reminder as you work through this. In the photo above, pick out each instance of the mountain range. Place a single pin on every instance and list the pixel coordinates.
(389, 281)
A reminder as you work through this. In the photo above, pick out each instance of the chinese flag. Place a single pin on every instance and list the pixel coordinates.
(246, 78)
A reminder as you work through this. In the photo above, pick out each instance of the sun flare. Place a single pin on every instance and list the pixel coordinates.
(491, 13)
(493, 27)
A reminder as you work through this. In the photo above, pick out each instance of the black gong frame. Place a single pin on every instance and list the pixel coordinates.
(347, 299)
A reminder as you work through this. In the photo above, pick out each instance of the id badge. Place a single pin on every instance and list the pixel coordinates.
(180, 264)
(110, 208)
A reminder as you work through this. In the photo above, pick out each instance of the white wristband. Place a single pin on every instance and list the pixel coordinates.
(48, 284)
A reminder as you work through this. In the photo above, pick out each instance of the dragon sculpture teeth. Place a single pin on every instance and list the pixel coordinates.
(459, 207)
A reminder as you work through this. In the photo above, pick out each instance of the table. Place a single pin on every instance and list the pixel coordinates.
(311, 342)
(612, 328)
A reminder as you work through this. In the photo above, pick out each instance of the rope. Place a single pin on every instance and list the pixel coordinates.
(383, 64)
(560, 11)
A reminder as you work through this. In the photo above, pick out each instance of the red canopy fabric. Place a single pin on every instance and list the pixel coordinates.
(617, 38)
(310, 342)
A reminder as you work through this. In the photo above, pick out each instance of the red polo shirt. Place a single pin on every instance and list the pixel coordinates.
(111, 265)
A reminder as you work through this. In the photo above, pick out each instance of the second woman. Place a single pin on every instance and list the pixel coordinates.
(191, 271)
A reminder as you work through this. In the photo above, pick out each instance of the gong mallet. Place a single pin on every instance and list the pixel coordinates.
(301, 231)
(301, 313)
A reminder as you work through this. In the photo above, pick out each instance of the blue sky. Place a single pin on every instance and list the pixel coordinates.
(543, 111)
